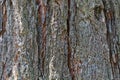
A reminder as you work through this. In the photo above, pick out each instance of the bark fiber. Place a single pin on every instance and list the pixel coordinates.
(59, 39)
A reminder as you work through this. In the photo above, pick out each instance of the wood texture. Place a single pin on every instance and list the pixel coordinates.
(59, 39)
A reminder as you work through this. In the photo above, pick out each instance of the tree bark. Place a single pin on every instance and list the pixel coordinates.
(59, 40)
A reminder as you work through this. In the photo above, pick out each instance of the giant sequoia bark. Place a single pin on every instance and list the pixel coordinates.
(59, 40)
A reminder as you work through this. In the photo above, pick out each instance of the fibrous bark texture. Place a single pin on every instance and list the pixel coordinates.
(59, 39)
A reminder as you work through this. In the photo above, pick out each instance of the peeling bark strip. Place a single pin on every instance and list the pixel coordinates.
(41, 37)
(4, 18)
(68, 43)
(112, 37)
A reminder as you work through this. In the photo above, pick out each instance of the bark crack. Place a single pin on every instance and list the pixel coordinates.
(4, 18)
(112, 37)
(68, 43)
(41, 36)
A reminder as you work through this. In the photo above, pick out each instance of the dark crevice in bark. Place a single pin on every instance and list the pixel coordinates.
(112, 37)
(4, 18)
(3, 69)
(98, 12)
(41, 37)
(2, 31)
(68, 43)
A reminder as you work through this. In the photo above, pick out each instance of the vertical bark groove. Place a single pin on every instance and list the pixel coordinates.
(68, 43)
(41, 36)
(3, 67)
(4, 18)
(112, 37)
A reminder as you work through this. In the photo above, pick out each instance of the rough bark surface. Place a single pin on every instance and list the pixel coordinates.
(59, 39)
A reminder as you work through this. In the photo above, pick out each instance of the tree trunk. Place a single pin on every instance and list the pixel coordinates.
(59, 40)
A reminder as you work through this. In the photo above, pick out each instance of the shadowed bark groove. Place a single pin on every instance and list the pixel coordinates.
(112, 37)
(41, 36)
(4, 18)
(3, 67)
(3, 29)
(68, 43)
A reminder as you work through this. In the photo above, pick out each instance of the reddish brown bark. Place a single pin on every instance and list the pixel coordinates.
(4, 18)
